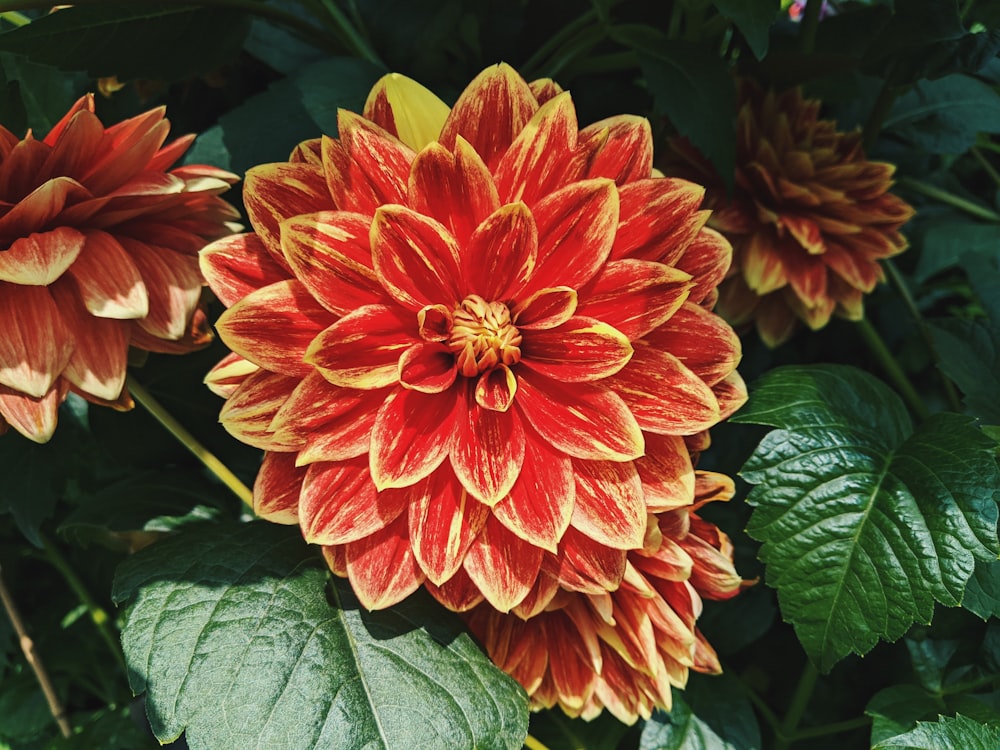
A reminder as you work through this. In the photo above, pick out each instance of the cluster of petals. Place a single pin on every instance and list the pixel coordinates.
(474, 343)
(99, 242)
(624, 650)
(809, 219)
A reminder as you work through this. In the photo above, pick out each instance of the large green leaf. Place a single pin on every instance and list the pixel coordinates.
(982, 595)
(958, 733)
(753, 18)
(163, 40)
(944, 116)
(969, 353)
(943, 243)
(230, 633)
(865, 523)
(898, 708)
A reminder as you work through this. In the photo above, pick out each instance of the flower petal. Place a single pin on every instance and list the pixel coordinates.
(458, 593)
(40, 259)
(546, 308)
(500, 255)
(110, 284)
(444, 520)
(490, 113)
(539, 505)
(275, 192)
(226, 376)
(276, 490)
(659, 219)
(703, 341)
(666, 473)
(382, 567)
(411, 436)
(406, 109)
(487, 450)
(427, 367)
(339, 503)
(37, 210)
(237, 265)
(626, 153)
(362, 349)
(503, 566)
(173, 286)
(496, 388)
(665, 396)
(584, 420)
(415, 257)
(585, 565)
(248, 413)
(35, 418)
(367, 167)
(329, 253)
(610, 507)
(35, 342)
(581, 349)
(274, 326)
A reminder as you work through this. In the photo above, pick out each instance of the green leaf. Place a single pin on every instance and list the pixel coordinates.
(865, 523)
(229, 631)
(711, 713)
(898, 708)
(943, 243)
(753, 18)
(982, 594)
(983, 270)
(959, 733)
(23, 711)
(969, 353)
(944, 116)
(169, 41)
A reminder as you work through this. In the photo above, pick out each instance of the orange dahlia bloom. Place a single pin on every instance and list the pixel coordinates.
(809, 219)
(464, 335)
(624, 650)
(98, 252)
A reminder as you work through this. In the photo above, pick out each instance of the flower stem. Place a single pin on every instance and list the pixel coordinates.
(532, 744)
(800, 699)
(349, 35)
(880, 110)
(985, 164)
(189, 441)
(809, 25)
(892, 368)
(931, 191)
(836, 727)
(35, 661)
(534, 64)
(14, 18)
(98, 615)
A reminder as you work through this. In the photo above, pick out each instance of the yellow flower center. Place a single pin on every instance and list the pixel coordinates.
(483, 336)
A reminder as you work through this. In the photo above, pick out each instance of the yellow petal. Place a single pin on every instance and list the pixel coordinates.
(418, 115)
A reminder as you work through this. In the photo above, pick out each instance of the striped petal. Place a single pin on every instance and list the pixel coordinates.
(501, 253)
(659, 219)
(487, 450)
(406, 109)
(626, 153)
(248, 413)
(110, 284)
(35, 342)
(546, 308)
(367, 168)
(580, 350)
(173, 286)
(427, 367)
(666, 473)
(40, 259)
(585, 565)
(610, 507)
(382, 567)
(237, 265)
(458, 593)
(635, 296)
(503, 566)
(275, 192)
(35, 418)
(276, 490)
(685, 334)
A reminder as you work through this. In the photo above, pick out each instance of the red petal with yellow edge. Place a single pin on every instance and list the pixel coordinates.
(731, 393)
(333, 423)
(35, 342)
(444, 519)
(501, 253)
(582, 420)
(458, 593)
(703, 341)
(487, 449)
(490, 113)
(576, 228)
(276, 490)
(120, 294)
(503, 566)
(411, 436)
(707, 259)
(574, 677)
(610, 507)
(248, 413)
(666, 473)
(663, 395)
(35, 418)
(427, 367)
(762, 264)
(585, 565)
(807, 277)
(854, 268)
(415, 257)
(228, 373)
(275, 192)
(659, 218)
(382, 568)
(456, 188)
(580, 350)
(237, 265)
(546, 308)
(173, 286)
(669, 562)
(308, 152)
(540, 596)
(40, 207)
(495, 389)
(542, 158)
(40, 259)
(336, 559)
(635, 296)
(100, 346)
(274, 326)
(339, 503)
(362, 349)
(197, 336)
(713, 575)
(329, 253)
(367, 168)
(540, 503)
(406, 109)
(128, 156)
(627, 153)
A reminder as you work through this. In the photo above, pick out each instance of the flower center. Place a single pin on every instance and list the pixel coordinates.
(482, 336)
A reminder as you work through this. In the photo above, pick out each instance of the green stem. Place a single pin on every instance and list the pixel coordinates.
(98, 615)
(626, 60)
(892, 368)
(880, 110)
(800, 699)
(989, 146)
(950, 199)
(809, 26)
(15, 19)
(836, 727)
(676, 15)
(694, 20)
(189, 441)
(765, 710)
(985, 164)
(534, 64)
(349, 35)
(576, 48)
(532, 744)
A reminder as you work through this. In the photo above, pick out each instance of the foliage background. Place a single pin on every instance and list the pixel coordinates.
(877, 608)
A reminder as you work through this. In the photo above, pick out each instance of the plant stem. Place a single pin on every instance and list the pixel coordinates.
(931, 191)
(676, 14)
(349, 35)
(809, 25)
(532, 744)
(800, 699)
(15, 19)
(892, 368)
(836, 727)
(765, 710)
(534, 64)
(880, 110)
(189, 441)
(98, 615)
(985, 164)
(35, 661)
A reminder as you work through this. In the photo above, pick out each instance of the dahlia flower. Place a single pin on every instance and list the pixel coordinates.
(809, 219)
(98, 252)
(465, 337)
(624, 650)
